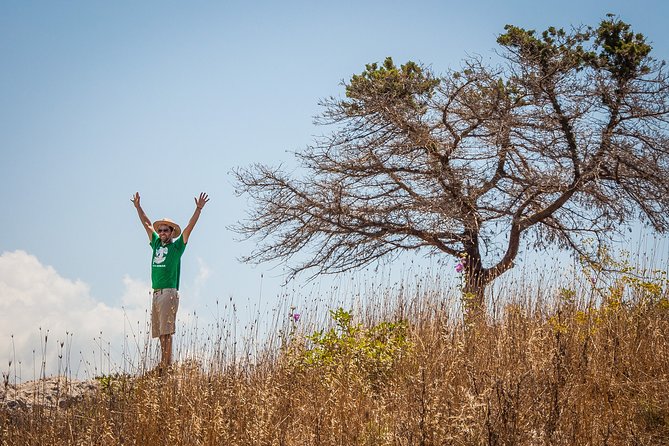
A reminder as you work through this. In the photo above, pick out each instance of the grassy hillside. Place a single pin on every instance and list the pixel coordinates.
(581, 366)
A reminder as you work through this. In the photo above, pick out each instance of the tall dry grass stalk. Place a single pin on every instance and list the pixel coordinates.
(549, 367)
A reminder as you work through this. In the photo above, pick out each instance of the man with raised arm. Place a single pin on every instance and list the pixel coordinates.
(168, 243)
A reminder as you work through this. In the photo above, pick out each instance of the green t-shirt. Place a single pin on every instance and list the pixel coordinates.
(166, 262)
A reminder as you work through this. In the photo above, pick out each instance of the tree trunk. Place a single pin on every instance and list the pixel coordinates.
(473, 297)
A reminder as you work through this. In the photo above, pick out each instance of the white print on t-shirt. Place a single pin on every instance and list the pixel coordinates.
(160, 255)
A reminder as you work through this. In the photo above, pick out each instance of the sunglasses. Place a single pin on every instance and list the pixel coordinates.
(164, 230)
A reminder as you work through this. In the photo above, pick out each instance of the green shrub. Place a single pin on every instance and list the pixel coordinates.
(369, 353)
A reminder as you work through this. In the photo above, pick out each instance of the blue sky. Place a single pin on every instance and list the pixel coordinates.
(102, 99)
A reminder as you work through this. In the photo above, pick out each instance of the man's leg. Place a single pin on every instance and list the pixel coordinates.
(165, 350)
(166, 303)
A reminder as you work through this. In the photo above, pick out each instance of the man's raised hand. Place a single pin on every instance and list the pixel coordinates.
(135, 200)
(199, 202)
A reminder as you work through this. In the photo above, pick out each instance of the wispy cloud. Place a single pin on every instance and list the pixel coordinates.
(203, 274)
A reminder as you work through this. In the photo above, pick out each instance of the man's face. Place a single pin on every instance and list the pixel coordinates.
(165, 233)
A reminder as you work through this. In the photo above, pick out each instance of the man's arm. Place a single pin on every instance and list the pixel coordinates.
(142, 216)
(199, 204)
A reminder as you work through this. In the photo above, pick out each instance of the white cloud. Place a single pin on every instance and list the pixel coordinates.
(35, 301)
(202, 276)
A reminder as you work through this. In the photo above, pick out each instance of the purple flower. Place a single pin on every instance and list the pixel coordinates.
(295, 317)
(459, 267)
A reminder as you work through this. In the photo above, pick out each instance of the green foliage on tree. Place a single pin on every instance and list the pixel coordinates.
(408, 85)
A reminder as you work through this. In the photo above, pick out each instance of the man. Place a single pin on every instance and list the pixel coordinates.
(168, 244)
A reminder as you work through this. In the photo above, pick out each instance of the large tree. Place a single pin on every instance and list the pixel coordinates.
(566, 139)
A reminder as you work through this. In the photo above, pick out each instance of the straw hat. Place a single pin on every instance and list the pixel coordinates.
(176, 230)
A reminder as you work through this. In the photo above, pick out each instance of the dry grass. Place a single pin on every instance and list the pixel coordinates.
(558, 371)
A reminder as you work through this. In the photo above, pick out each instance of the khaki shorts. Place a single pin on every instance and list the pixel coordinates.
(164, 311)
